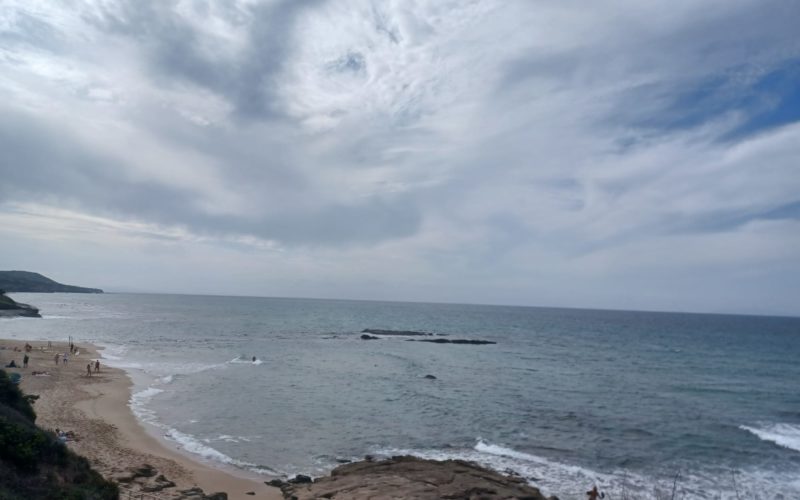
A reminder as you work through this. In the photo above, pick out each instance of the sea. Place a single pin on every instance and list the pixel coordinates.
(643, 404)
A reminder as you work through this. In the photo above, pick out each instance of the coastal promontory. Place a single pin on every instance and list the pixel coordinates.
(10, 308)
(28, 282)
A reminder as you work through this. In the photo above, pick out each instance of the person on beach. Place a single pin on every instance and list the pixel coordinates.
(593, 494)
(97, 366)
(88, 369)
(56, 358)
(25, 361)
(64, 359)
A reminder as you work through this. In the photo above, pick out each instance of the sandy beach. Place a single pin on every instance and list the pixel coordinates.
(95, 408)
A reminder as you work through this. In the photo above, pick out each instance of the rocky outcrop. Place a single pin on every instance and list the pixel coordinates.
(453, 341)
(10, 308)
(411, 477)
(144, 481)
(403, 333)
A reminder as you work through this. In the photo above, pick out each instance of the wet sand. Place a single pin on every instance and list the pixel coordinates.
(96, 409)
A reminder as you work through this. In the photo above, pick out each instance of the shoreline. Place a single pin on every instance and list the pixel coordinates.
(96, 408)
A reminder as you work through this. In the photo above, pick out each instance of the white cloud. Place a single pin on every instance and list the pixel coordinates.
(483, 151)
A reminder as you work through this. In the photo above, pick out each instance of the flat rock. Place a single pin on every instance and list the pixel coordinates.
(454, 341)
(404, 333)
(411, 477)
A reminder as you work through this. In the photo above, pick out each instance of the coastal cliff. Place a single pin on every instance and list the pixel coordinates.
(28, 282)
(10, 308)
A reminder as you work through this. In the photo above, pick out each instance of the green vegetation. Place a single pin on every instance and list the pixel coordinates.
(34, 464)
(25, 281)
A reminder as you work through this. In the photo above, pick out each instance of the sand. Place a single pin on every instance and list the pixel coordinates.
(107, 432)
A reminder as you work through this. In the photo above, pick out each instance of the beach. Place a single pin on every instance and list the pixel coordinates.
(94, 409)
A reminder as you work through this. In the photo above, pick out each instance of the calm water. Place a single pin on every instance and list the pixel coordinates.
(566, 397)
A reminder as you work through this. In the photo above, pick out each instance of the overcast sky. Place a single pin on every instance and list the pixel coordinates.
(614, 154)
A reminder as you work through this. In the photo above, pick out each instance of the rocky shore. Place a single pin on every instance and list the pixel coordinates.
(410, 477)
(9, 308)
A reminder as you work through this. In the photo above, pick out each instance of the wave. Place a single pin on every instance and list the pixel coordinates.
(245, 360)
(785, 435)
(570, 481)
(139, 401)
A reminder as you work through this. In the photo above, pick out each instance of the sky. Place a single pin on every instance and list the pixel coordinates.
(607, 154)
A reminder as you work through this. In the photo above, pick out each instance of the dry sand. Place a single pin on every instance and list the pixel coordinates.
(108, 434)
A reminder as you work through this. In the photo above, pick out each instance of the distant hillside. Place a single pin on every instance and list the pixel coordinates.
(24, 281)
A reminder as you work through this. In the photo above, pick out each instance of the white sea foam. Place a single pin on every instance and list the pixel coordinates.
(244, 360)
(567, 481)
(571, 481)
(786, 435)
(196, 447)
(112, 352)
(138, 404)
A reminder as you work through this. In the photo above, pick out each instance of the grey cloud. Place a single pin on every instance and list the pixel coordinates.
(175, 51)
(44, 164)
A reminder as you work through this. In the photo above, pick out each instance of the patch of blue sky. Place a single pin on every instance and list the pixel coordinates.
(725, 221)
(764, 103)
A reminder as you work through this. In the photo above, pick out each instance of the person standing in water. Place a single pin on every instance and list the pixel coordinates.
(88, 369)
(97, 366)
(25, 361)
(593, 494)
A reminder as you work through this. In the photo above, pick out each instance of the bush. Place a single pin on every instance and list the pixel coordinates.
(34, 464)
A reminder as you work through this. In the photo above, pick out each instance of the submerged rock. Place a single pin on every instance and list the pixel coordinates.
(369, 337)
(430, 377)
(404, 333)
(453, 341)
(411, 477)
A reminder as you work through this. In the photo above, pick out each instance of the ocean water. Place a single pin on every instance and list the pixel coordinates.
(638, 403)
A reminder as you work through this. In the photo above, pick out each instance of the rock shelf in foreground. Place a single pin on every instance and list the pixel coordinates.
(411, 477)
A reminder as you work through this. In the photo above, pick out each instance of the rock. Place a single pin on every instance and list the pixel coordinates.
(277, 483)
(369, 337)
(124, 477)
(411, 477)
(300, 479)
(250, 493)
(430, 377)
(454, 341)
(10, 308)
(145, 470)
(404, 333)
(216, 496)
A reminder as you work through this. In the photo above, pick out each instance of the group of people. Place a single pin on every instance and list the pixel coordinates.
(58, 358)
(89, 368)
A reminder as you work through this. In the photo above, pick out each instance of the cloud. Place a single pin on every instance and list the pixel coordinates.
(481, 151)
